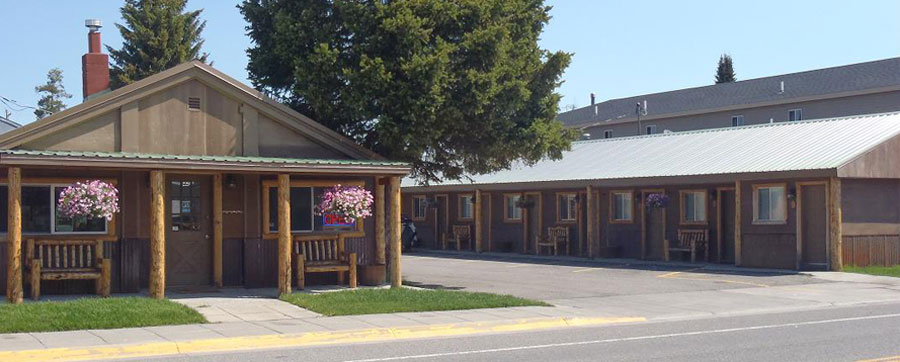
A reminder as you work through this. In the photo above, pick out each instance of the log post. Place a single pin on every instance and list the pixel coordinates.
(157, 235)
(284, 234)
(478, 222)
(14, 237)
(396, 276)
(217, 230)
(737, 223)
(589, 199)
(380, 245)
(835, 227)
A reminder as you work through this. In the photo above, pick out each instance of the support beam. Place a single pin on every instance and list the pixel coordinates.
(478, 222)
(380, 246)
(284, 234)
(589, 199)
(737, 223)
(835, 227)
(217, 230)
(396, 276)
(157, 235)
(14, 237)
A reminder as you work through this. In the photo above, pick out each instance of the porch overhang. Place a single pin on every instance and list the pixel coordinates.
(145, 161)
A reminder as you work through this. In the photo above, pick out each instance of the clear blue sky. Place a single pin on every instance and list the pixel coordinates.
(620, 48)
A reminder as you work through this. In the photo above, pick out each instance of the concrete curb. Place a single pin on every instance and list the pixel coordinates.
(305, 339)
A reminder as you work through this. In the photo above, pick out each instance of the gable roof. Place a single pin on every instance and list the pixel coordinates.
(825, 144)
(875, 76)
(194, 70)
(7, 124)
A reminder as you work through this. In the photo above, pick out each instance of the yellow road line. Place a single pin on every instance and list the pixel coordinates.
(303, 339)
(584, 270)
(669, 275)
(882, 359)
(676, 275)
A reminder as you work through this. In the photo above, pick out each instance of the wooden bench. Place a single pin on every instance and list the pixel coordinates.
(461, 234)
(59, 259)
(322, 254)
(556, 235)
(689, 240)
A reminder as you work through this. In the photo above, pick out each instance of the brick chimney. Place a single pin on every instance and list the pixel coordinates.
(94, 64)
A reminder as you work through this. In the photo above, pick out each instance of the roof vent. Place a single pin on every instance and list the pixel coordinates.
(781, 89)
(194, 103)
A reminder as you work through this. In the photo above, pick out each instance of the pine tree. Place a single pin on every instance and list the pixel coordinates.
(725, 70)
(52, 94)
(157, 35)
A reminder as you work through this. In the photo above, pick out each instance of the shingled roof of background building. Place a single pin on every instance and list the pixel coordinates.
(819, 83)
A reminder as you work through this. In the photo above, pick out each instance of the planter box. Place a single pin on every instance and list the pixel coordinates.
(372, 274)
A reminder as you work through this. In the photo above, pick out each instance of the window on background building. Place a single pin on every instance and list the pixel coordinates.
(466, 206)
(769, 204)
(621, 204)
(40, 214)
(737, 121)
(512, 211)
(795, 115)
(693, 207)
(567, 207)
(651, 129)
(419, 207)
(608, 133)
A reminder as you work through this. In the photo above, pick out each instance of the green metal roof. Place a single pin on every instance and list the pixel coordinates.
(200, 158)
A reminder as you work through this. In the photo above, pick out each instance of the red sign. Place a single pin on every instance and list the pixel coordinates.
(337, 220)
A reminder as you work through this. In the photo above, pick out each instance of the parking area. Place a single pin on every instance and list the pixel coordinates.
(552, 280)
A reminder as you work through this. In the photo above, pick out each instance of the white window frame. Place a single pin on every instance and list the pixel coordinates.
(700, 215)
(737, 121)
(466, 206)
(607, 134)
(509, 203)
(421, 207)
(570, 202)
(626, 204)
(650, 129)
(798, 112)
(780, 203)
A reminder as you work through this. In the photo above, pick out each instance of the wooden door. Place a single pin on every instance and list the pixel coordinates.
(188, 237)
(655, 232)
(813, 228)
(533, 222)
(441, 227)
(726, 225)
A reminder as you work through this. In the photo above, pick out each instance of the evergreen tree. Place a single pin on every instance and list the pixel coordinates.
(157, 35)
(453, 87)
(52, 94)
(725, 70)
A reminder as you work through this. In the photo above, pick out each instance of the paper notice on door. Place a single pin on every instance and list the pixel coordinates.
(176, 206)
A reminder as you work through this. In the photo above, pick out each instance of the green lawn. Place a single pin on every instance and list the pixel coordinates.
(891, 271)
(94, 313)
(372, 301)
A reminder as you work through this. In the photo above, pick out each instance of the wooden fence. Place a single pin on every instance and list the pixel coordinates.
(881, 250)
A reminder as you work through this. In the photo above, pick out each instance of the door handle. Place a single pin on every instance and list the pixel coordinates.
(206, 236)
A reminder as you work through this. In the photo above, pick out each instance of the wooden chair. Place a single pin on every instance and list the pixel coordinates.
(555, 236)
(689, 240)
(67, 260)
(461, 234)
(322, 254)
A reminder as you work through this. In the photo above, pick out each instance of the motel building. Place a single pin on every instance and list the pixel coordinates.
(217, 187)
(803, 195)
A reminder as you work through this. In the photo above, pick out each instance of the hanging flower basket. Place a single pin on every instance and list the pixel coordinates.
(351, 202)
(657, 201)
(91, 199)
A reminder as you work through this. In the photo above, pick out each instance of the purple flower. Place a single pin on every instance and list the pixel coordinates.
(352, 202)
(93, 199)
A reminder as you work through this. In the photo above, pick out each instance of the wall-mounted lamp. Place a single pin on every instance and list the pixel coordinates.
(230, 181)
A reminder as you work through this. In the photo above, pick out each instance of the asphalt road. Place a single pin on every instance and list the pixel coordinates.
(836, 334)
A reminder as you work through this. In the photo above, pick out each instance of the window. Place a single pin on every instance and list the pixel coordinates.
(795, 115)
(651, 129)
(40, 214)
(301, 209)
(419, 207)
(693, 207)
(737, 121)
(465, 207)
(607, 133)
(512, 211)
(620, 204)
(566, 207)
(769, 204)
